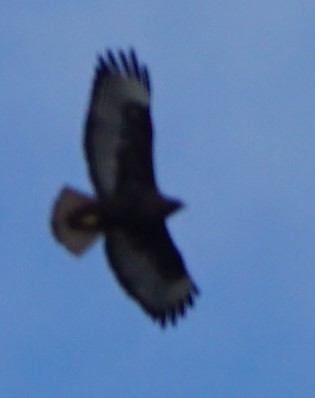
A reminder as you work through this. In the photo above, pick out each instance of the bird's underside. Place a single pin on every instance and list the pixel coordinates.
(128, 210)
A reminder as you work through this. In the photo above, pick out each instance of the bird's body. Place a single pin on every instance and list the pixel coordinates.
(128, 209)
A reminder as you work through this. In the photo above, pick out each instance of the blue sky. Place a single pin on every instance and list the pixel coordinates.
(233, 108)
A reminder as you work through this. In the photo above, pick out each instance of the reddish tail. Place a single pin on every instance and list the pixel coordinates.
(75, 220)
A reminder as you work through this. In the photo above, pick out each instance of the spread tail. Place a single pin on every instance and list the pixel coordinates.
(75, 220)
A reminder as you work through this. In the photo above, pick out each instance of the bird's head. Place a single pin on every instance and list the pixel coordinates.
(171, 206)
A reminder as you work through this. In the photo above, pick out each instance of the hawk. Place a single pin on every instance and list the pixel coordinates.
(128, 210)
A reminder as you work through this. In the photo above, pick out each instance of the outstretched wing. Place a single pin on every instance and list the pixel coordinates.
(151, 270)
(118, 135)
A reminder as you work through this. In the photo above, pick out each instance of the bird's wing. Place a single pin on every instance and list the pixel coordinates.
(118, 133)
(151, 270)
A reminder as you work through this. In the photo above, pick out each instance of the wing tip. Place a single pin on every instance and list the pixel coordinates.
(174, 313)
(124, 64)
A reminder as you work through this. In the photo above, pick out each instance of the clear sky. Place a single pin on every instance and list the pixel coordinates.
(233, 108)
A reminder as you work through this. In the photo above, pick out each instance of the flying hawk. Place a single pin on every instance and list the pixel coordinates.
(128, 209)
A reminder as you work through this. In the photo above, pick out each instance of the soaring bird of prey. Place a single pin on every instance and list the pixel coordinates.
(128, 210)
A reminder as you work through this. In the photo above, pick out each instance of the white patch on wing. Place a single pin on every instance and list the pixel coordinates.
(106, 111)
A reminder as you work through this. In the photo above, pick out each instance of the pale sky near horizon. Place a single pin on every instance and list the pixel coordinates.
(233, 110)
